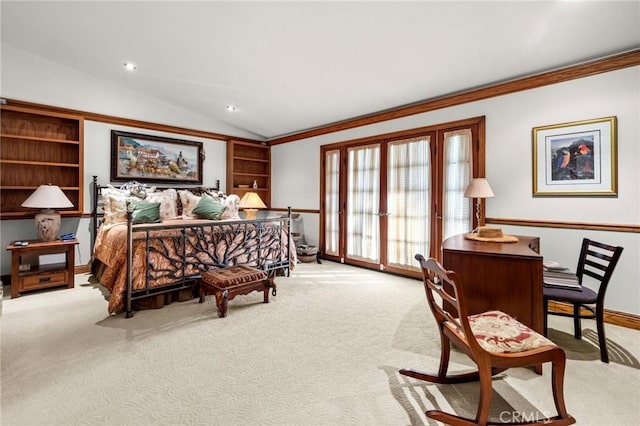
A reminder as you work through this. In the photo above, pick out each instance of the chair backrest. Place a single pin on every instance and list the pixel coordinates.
(445, 285)
(598, 260)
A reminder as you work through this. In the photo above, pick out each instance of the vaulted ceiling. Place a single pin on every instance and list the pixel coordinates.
(295, 65)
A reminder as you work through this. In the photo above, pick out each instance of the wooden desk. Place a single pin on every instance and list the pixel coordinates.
(499, 276)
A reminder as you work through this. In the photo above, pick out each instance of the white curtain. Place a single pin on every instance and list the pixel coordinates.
(331, 201)
(457, 175)
(363, 201)
(408, 201)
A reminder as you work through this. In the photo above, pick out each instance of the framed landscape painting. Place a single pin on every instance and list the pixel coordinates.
(147, 158)
(577, 158)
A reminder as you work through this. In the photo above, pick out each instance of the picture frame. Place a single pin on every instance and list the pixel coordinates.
(147, 158)
(576, 159)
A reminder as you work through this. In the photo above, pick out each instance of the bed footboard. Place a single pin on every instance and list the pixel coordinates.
(175, 256)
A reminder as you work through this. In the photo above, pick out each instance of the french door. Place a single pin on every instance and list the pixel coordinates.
(386, 199)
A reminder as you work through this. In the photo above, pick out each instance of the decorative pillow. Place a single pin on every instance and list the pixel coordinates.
(136, 189)
(168, 200)
(114, 204)
(208, 208)
(144, 212)
(232, 204)
(189, 202)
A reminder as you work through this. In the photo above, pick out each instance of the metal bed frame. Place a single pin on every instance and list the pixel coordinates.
(196, 248)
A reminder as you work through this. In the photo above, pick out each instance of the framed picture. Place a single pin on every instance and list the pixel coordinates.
(577, 158)
(155, 159)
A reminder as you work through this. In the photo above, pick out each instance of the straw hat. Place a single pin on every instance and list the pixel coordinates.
(491, 234)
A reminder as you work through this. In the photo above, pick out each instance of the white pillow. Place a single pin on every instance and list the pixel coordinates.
(189, 202)
(168, 200)
(114, 204)
(231, 209)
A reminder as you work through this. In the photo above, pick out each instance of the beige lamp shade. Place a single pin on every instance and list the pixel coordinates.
(479, 188)
(251, 202)
(47, 197)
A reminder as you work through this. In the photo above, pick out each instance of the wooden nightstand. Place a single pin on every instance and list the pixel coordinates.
(39, 276)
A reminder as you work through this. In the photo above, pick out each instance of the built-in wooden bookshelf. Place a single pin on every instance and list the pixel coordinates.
(39, 147)
(249, 163)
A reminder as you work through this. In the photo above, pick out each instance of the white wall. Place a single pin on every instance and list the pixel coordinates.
(509, 122)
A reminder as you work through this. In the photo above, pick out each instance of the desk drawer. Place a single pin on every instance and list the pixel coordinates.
(43, 280)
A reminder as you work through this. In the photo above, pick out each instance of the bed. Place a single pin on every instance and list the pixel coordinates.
(137, 261)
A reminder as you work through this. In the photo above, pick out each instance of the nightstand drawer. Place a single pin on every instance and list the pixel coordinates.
(43, 280)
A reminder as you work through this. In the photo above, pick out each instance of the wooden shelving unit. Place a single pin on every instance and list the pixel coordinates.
(248, 163)
(39, 147)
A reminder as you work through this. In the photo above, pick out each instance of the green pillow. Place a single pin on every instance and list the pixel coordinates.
(208, 208)
(144, 212)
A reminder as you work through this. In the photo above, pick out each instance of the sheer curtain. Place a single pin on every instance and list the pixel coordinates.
(408, 200)
(457, 174)
(332, 202)
(363, 203)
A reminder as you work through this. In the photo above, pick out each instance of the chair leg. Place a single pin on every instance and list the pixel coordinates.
(486, 391)
(545, 312)
(577, 328)
(445, 352)
(557, 384)
(602, 341)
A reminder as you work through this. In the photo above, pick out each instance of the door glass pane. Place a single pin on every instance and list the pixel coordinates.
(408, 201)
(457, 174)
(331, 203)
(363, 201)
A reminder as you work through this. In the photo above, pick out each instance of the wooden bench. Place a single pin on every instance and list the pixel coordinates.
(227, 283)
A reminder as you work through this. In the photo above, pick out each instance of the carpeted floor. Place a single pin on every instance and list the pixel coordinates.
(325, 351)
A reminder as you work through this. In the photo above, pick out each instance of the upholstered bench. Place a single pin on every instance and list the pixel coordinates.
(227, 283)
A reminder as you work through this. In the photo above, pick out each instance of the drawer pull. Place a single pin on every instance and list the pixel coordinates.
(45, 279)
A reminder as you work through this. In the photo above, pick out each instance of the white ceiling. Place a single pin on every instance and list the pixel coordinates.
(291, 66)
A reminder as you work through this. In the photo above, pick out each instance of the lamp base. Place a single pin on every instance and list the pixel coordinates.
(250, 214)
(47, 225)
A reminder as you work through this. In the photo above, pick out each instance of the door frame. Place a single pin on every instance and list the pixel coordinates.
(478, 170)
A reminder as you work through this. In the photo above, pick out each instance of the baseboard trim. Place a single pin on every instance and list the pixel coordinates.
(623, 319)
(82, 269)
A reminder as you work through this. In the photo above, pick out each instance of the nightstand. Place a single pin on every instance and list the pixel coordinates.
(42, 264)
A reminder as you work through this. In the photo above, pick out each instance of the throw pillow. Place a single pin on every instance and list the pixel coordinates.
(144, 212)
(232, 204)
(189, 202)
(114, 204)
(168, 200)
(208, 208)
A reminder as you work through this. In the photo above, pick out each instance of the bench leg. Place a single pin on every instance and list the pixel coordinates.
(272, 284)
(222, 301)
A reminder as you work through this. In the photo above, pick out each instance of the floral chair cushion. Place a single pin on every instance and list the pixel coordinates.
(498, 332)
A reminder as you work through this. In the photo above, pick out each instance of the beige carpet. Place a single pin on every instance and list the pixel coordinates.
(325, 351)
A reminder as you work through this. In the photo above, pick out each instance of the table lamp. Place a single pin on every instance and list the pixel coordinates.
(478, 188)
(47, 198)
(251, 202)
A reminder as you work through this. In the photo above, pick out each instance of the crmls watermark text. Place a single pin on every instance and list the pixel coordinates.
(522, 417)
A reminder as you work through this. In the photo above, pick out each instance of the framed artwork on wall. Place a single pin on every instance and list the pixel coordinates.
(147, 158)
(576, 159)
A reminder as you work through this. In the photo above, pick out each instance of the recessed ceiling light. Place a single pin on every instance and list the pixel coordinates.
(130, 66)
(230, 108)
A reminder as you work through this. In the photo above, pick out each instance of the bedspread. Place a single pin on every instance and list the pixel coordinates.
(179, 250)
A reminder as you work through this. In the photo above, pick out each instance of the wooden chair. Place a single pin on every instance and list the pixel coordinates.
(597, 260)
(493, 340)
